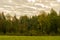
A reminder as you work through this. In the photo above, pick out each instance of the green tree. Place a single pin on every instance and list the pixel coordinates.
(53, 20)
(24, 23)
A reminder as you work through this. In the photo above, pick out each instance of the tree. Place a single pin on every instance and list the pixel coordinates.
(3, 19)
(34, 25)
(42, 21)
(53, 20)
(24, 23)
(15, 24)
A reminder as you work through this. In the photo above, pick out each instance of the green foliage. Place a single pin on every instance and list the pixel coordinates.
(43, 24)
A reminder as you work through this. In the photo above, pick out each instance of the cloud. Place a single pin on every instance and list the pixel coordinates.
(22, 6)
(58, 0)
(53, 4)
(29, 7)
(42, 5)
(31, 0)
(10, 1)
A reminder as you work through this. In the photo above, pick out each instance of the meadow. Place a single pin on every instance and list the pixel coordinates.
(29, 37)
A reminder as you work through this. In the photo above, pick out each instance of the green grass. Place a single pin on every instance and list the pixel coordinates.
(29, 37)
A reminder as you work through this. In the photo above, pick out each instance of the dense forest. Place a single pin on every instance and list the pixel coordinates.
(41, 25)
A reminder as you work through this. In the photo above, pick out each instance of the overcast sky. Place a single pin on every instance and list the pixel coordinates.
(29, 7)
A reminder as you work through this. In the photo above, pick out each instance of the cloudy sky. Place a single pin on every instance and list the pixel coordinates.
(28, 7)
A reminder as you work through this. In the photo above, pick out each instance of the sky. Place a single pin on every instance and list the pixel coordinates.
(28, 7)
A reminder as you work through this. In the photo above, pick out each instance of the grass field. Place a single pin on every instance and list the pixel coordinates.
(29, 37)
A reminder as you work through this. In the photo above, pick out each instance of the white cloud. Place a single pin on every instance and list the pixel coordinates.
(5, 11)
(31, 0)
(42, 5)
(58, 0)
(29, 6)
(6, 6)
(1, 9)
(32, 6)
(10, 1)
(54, 4)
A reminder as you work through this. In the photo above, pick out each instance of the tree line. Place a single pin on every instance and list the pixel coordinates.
(41, 25)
